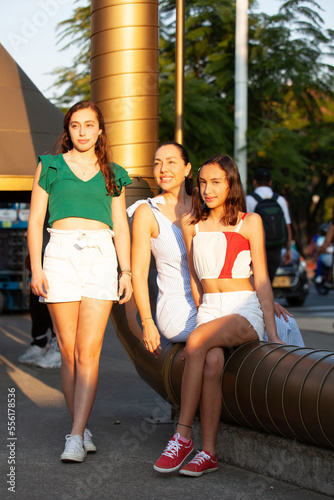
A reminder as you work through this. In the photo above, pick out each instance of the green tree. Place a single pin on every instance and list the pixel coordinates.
(74, 81)
(290, 88)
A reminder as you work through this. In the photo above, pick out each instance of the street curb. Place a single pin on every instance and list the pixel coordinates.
(281, 458)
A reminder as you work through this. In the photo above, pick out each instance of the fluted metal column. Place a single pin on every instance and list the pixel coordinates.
(281, 389)
(125, 84)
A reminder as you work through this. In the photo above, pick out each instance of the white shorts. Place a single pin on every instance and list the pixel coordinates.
(80, 264)
(245, 303)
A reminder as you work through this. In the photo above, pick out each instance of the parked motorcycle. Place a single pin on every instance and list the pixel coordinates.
(323, 285)
(291, 282)
(323, 282)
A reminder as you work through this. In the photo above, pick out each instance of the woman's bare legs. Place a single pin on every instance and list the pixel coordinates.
(210, 404)
(228, 331)
(65, 321)
(80, 328)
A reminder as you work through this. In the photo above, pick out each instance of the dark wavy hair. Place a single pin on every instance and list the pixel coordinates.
(235, 201)
(101, 147)
(189, 181)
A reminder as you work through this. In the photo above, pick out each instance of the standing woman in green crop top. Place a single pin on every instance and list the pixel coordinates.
(86, 199)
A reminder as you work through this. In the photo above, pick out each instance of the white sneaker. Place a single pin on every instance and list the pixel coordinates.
(75, 450)
(89, 445)
(31, 354)
(52, 357)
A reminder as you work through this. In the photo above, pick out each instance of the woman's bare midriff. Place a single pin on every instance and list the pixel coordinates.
(226, 285)
(73, 223)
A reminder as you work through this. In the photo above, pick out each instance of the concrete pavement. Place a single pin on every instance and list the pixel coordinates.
(128, 445)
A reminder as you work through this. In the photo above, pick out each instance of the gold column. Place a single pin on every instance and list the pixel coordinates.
(125, 84)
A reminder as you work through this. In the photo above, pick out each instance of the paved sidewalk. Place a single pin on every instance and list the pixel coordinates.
(127, 444)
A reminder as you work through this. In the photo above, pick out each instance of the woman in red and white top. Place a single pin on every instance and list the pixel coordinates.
(224, 245)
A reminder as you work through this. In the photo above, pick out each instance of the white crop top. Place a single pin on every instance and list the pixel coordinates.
(219, 255)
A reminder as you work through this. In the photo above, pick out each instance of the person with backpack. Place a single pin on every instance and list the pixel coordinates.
(275, 217)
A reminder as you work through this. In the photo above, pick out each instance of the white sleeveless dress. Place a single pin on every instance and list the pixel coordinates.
(175, 310)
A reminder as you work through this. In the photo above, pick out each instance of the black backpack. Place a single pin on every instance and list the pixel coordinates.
(273, 220)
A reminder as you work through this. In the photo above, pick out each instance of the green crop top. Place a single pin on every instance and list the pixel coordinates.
(69, 196)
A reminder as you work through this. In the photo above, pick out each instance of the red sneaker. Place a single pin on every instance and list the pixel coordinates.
(202, 463)
(174, 455)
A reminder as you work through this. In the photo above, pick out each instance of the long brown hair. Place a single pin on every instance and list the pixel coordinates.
(235, 201)
(101, 147)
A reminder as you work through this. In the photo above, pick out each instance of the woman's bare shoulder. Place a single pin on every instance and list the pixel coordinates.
(143, 209)
(143, 216)
(252, 219)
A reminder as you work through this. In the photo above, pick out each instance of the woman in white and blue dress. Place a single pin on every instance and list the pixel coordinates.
(156, 228)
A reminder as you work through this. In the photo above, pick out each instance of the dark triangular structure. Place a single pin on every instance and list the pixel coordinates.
(29, 126)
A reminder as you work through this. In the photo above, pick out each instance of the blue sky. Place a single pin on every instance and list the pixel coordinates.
(28, 33)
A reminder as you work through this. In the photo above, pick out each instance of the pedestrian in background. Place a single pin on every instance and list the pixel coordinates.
(38, 354)
(274, 211)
